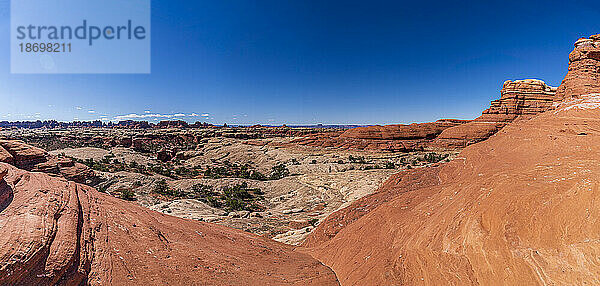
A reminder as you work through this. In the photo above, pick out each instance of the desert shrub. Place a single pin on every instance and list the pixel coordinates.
(162, 188)
(434, 157)
(240, 197)
(127, 195)
(390, 165)
(278, 172)
(359, 159)
(313, 161)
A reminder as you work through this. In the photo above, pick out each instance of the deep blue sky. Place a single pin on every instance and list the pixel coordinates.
(295, 62)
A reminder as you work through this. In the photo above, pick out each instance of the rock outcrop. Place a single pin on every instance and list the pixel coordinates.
(516, 209)
(520, 99)
(402, 138)
(57, 232)
(584, 69)
(34, 159)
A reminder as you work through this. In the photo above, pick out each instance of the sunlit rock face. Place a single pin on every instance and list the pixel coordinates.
(584, 69)
(516, 209)
(519, 99)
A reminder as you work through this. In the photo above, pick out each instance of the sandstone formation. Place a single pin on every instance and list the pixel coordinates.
(519, 99)
(402, 138)
(584, 69)
(57, 232)
(516, 209)
(38, 160)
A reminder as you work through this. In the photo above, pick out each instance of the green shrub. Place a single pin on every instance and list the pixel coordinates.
(278, 172)
(359, 159)
(434, 157)
(127, 195)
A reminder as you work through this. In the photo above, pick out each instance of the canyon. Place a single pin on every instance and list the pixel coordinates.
(507, 198)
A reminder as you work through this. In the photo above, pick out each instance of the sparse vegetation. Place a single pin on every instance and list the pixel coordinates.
(434, 157)
(127, 195)
(162, 188)
(245, 172)
(279, 172)
(359, 159)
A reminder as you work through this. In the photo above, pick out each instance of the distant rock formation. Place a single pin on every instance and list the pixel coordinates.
(584, 69)
(519, 99)
(395, 138)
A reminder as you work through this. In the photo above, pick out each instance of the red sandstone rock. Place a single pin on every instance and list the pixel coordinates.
(516, 209)
(519, 99)
(35, 159)
(400, 132)
(5, 156)
(53, 231)
(24, 156)
(584, 69)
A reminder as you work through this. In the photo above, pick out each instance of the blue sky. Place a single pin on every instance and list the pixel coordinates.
(304, 62)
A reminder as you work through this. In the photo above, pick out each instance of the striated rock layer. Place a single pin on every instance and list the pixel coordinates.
(34, 159)
(57, 232)
(520, 99)
(584, 69)
(398, 137)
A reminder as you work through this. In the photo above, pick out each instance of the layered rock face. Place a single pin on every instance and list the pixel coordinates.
(38, 160)
(57, 232)
(584, 69)
(519, 99)
(403, 138)
(516, 209)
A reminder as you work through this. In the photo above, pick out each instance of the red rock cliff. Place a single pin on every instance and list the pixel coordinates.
(584, 69)
(519, 99)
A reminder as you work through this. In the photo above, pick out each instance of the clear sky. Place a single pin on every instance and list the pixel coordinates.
(304, 62)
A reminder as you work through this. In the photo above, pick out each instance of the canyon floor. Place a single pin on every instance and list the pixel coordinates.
(312, 182)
